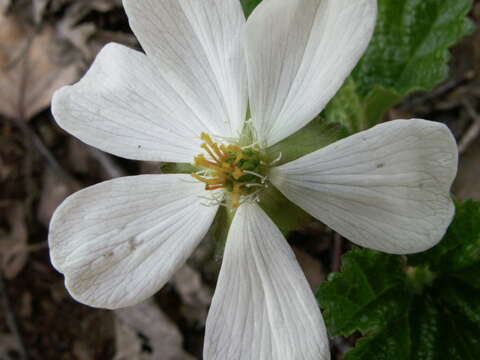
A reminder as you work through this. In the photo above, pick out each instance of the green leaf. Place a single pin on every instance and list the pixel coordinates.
(383, 347)
(249, 6)
(409, 50)
(356, 114)
(347, 109)
(454, 254)
(419, 307)
(357, 301)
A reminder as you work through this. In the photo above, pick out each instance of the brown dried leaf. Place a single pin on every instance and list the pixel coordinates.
(26, 305)
(54, 191)
(29, 71)
(128, 343)
(191, 287)
(13, 247)
(78, 156)
(103, 37)
(86, 159)
(8, 344)
(93, 332)
(105, 5)
(467, 185)
(82, 351)
(312, 268)
(56, 5)
(98, 5)
(85, 36)
(39, 7)
(4, 4)
(195, 294)
(166, 340)
(78, 35)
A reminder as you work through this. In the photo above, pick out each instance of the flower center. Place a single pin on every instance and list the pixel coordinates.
(237, 170)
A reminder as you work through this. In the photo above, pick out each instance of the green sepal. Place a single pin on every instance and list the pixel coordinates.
(219, 230)
(285, 214)
(249, 6)
(314, 136)
(377, 104)
(177, 168)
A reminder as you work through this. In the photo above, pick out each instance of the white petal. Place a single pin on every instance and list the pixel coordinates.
(263, 307)
(299, 53)
(125, 107)
(120, 241)
(387, 188)
(197, 46)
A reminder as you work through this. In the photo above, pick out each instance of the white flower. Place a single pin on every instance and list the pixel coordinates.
(120, 241)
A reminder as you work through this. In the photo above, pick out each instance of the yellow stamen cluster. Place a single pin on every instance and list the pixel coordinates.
(228, 167)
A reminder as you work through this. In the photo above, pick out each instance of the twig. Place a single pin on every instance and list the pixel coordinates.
(473, 132)
(337, 252)
(44, 152)
(22, 90)
(107, 163)
(12, 320)
(439, 91)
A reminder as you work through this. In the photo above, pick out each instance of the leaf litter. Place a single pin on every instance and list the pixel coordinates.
(30, 71)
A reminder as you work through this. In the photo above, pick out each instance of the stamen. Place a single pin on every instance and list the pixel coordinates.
(237, 174)
(207, 149)
(251, 146)
(239, 152)
(216, 182)
(263, 178)
(255, 196)
(226, 139)
(255, 185)
(213, 145)
(200, 178)
(200, 161)
(236, 194)
(229, 168)
(279, 157)
(214, 187)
